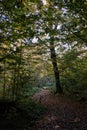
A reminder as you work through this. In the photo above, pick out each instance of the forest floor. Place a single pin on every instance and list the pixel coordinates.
(62, 113)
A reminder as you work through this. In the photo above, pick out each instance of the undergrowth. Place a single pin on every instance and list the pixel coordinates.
(20, 114)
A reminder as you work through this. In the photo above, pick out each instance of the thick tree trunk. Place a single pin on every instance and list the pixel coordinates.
(4, 85)
(55, 69)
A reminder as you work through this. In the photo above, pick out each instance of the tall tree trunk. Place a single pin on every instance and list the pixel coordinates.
(55, 69)
(14, 84)
(4, 85)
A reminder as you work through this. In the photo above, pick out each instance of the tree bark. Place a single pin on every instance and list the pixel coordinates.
(4, 85)
(55, 69)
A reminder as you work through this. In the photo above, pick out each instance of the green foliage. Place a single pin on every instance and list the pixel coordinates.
(32, 108)
(74, 74)
(24, 63)
(21, 114)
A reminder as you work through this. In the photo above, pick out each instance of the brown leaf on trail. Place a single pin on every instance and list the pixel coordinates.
(57, 126)
(77, 119)
(53, 118)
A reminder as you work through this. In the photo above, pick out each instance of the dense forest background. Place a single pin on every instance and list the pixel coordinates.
(39, 41)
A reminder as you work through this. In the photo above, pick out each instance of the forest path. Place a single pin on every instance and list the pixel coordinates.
(62, 113)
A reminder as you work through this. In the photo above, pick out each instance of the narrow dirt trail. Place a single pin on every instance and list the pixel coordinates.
(62, 113)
